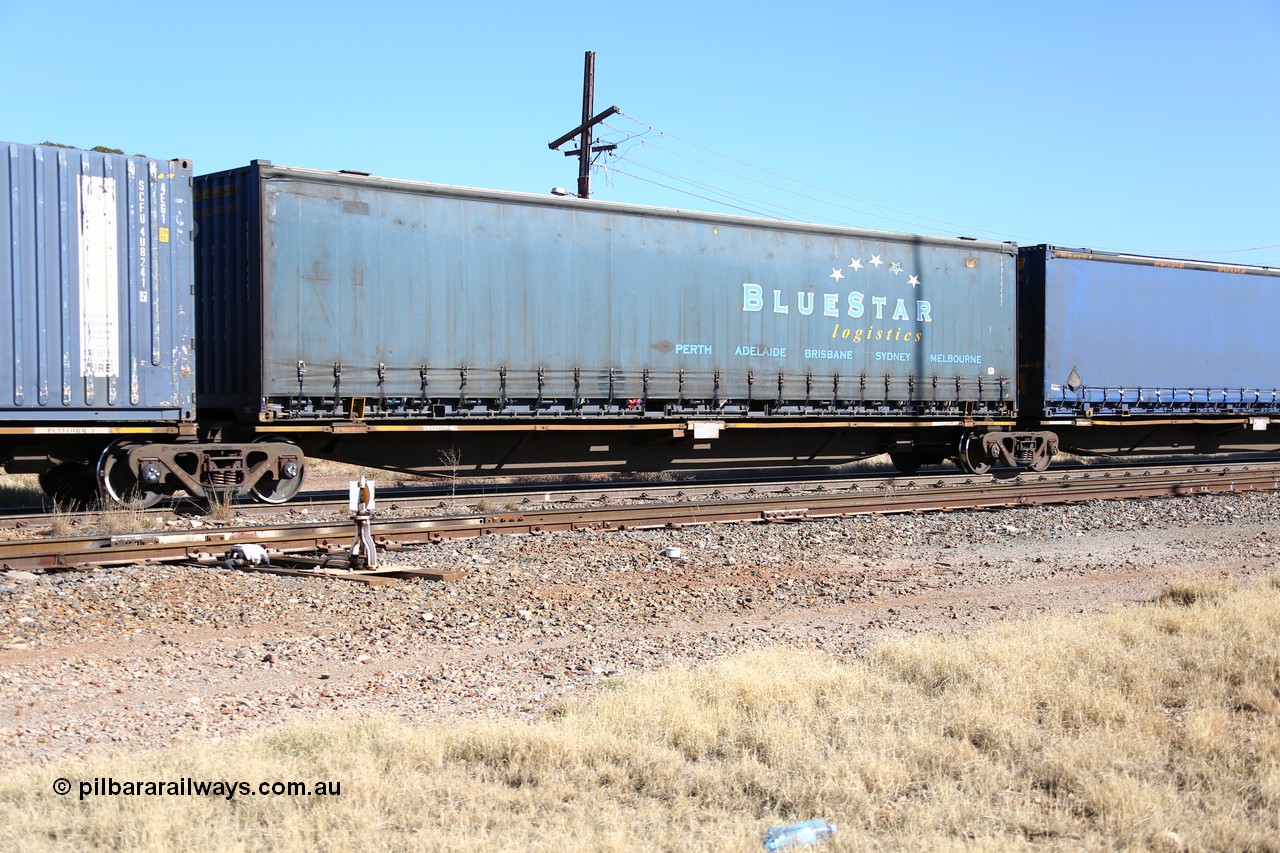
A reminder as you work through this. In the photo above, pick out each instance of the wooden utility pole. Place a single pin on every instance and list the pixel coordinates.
(583, 131)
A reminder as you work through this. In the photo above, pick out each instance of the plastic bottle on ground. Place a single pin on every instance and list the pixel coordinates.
(798, 834)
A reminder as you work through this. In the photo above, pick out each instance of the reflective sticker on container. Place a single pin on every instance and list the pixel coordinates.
(164, 234)
(99, 278)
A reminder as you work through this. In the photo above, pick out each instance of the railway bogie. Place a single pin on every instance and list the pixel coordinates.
(143, 473)
(140, 473)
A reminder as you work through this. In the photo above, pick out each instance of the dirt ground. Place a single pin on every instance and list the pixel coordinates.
(143, 657)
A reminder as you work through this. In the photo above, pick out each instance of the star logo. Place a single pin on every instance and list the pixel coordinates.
(895, 267)
(855, 264)
(914, 280)
(836, 274)
(876, 262)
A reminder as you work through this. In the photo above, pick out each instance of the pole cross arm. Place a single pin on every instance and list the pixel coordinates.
(577, 131)
(595, 149)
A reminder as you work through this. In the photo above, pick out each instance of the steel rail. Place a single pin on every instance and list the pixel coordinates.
(468, 494)
(329, 537)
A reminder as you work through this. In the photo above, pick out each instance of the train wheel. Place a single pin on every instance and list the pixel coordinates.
(118, 483)
(906, 463)
(1041, 462)
(971, 458)
(272, 489)
(70, 485)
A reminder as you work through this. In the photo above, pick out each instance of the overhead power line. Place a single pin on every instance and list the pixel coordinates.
(964, 229)
(629, 145)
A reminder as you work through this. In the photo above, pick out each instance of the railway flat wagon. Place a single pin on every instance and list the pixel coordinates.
(426, 327)
(1130, 353)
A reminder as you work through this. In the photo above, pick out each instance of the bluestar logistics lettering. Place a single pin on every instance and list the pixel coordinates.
(854, 304)
(871, 333)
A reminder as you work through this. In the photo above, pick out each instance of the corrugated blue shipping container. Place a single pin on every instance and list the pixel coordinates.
(315, 284)
(97, 258)
(1119, 333)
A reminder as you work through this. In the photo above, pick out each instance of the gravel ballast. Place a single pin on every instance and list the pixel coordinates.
(143, 657)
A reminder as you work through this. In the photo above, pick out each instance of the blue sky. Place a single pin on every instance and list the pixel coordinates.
(1130, 126)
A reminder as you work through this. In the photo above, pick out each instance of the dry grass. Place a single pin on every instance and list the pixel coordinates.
(120, 521)
(879, 462)
(20, 490)
(1188, 589)
(114, 520)
(62, 522)
(1156, 728)
(326, 474)
(220, 506)
(340, 471)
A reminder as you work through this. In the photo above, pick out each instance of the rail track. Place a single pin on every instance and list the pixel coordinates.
(484, 496)
(330, 542)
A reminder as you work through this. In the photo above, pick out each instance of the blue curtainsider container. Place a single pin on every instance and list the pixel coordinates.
(1120, 334)
(328, 294)
(99, 305)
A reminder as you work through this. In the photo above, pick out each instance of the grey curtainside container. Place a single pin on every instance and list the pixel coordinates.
(331, 293)
(98, 308)
(1110, 333)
